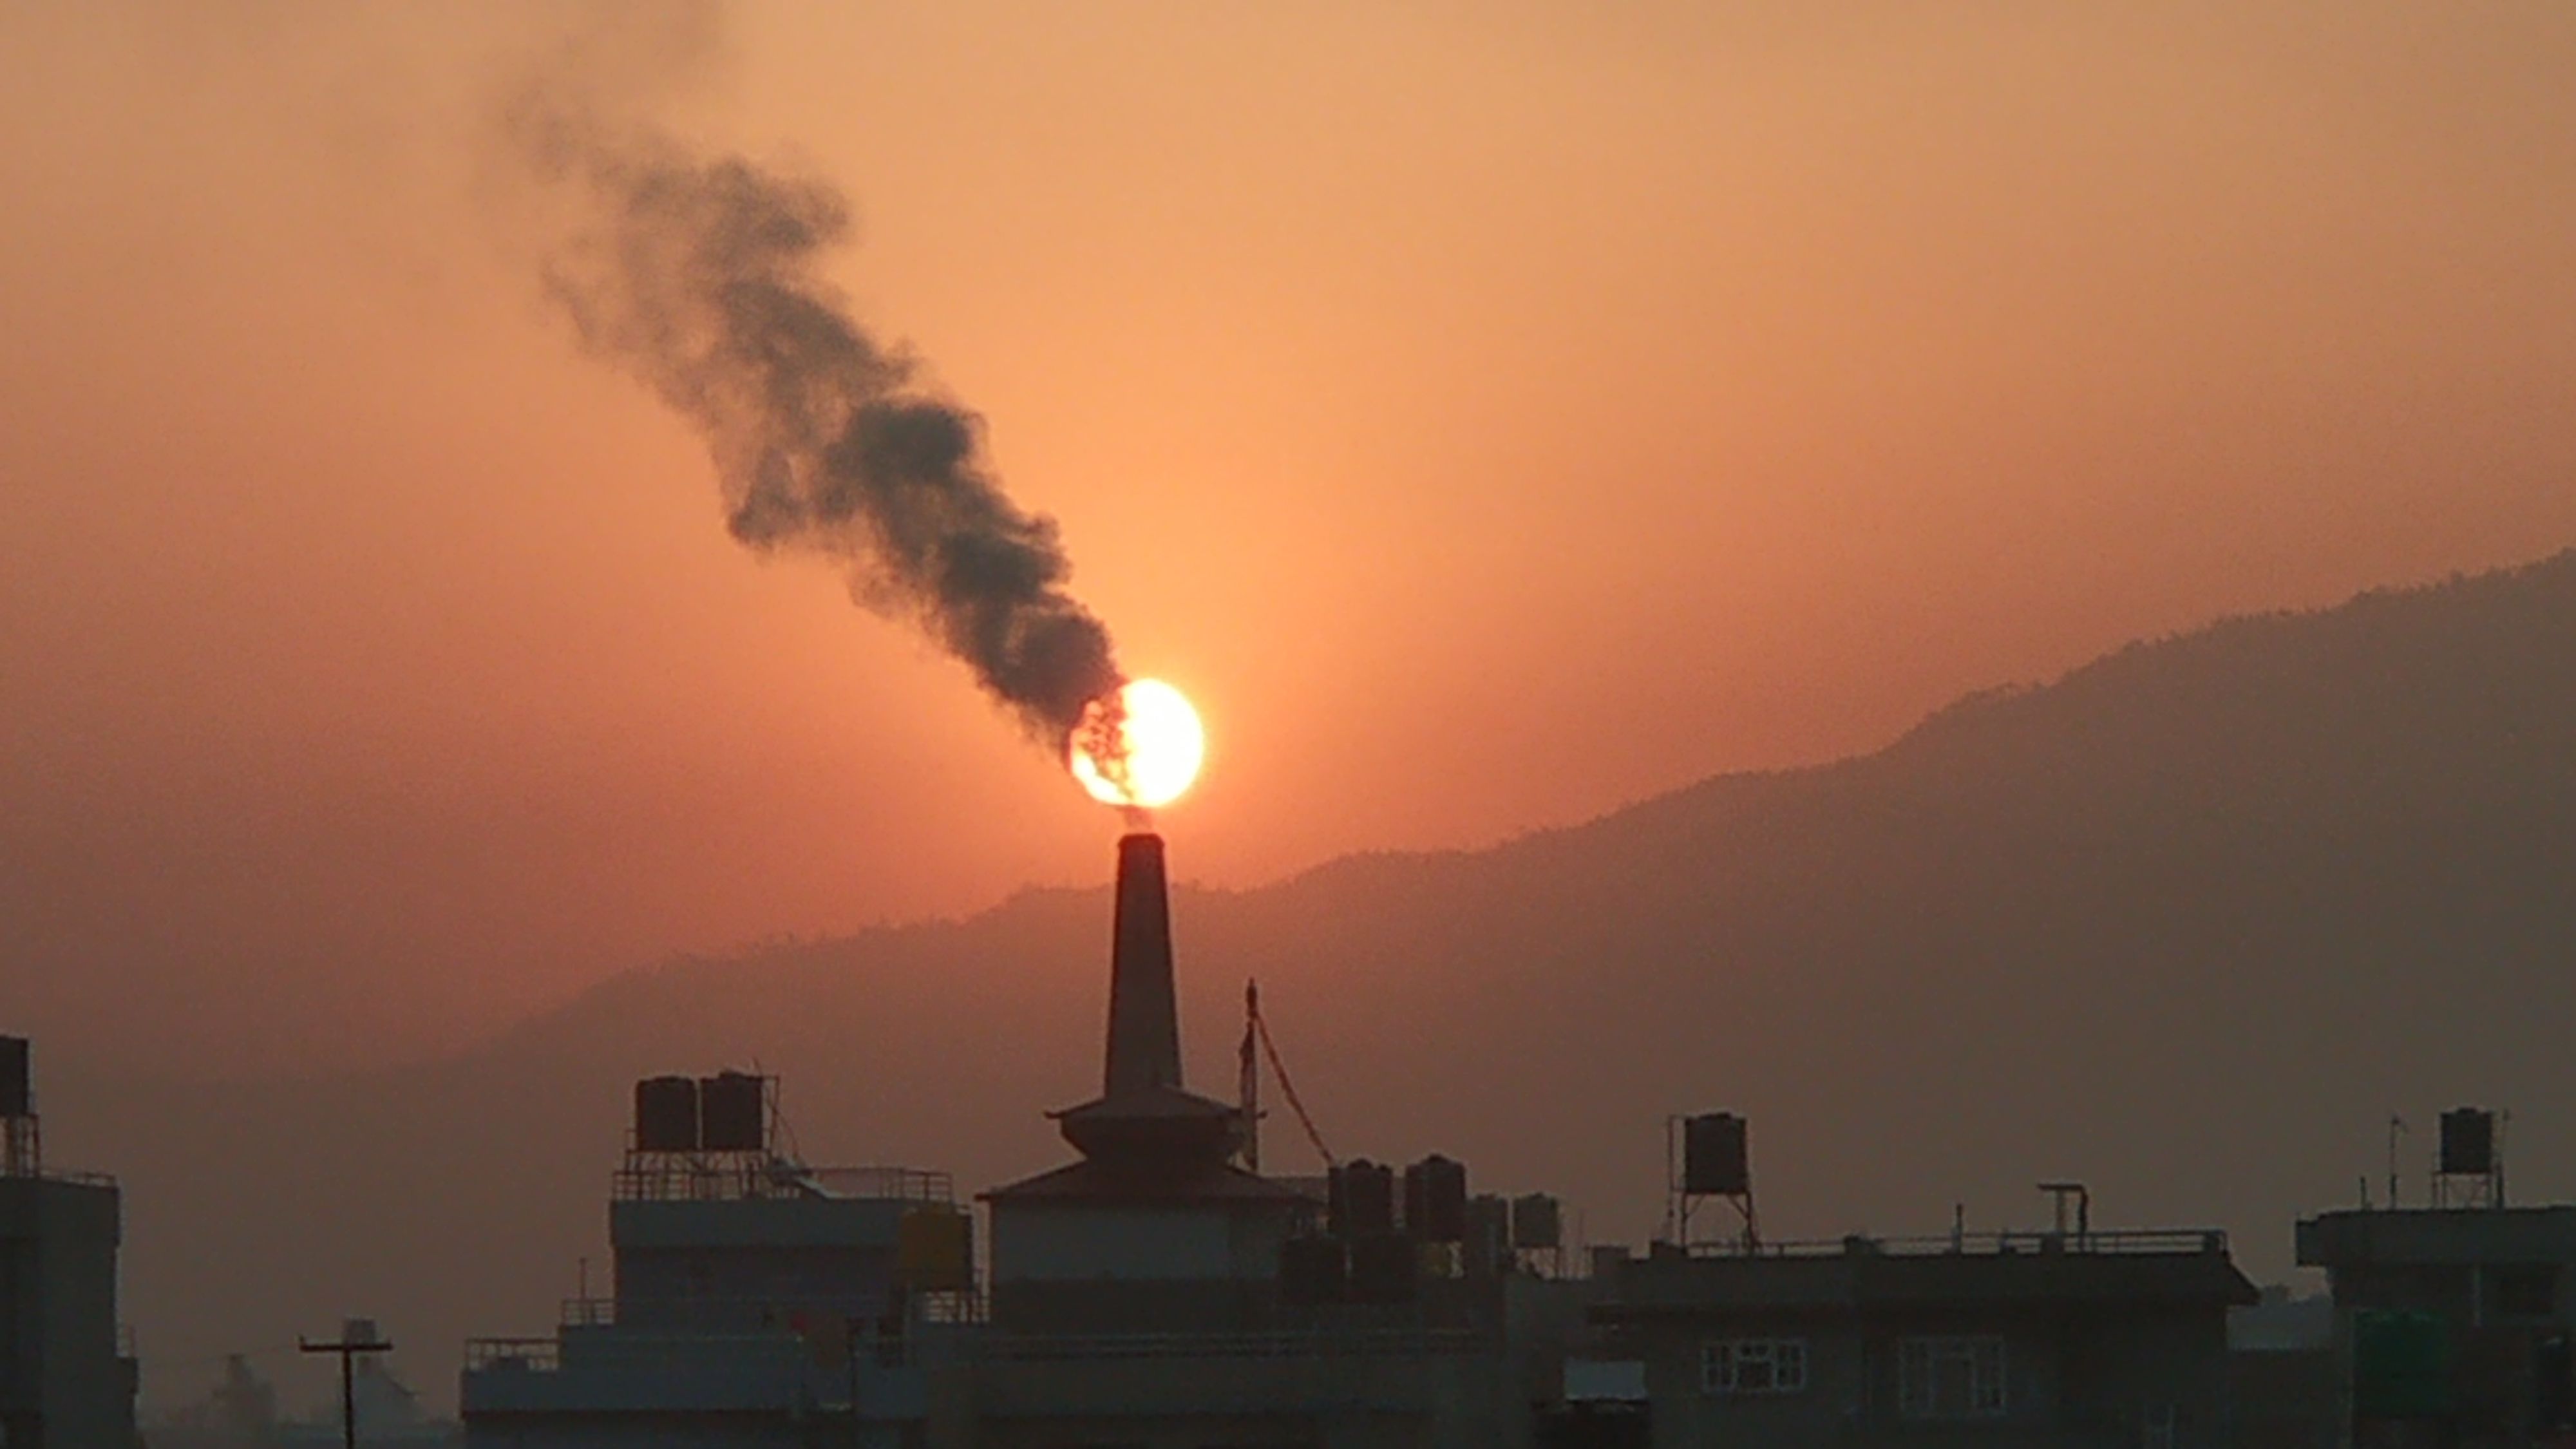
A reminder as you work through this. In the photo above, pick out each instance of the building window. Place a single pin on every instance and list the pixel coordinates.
(1753, 1366)
(1950, 1378)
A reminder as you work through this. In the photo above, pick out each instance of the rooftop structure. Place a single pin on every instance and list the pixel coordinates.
(753, 1296)
(2045, 1338)
(1155, 1229)
(1156, 1292)
(2456, 1322)
(67, 1375)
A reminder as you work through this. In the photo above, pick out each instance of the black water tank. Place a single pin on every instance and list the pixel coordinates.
(1314, 1270)
(1538, 1221)
(2468, 1141)
(1383, 1268)
(666, 1114)
(17, 1087)
(1714, 1155)
(733, 1113)
(1362, 1199)
(1435, 1200)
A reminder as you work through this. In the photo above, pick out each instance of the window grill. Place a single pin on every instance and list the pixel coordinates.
(1951, 1378)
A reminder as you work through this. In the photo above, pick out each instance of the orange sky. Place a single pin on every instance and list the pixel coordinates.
(1490, 413)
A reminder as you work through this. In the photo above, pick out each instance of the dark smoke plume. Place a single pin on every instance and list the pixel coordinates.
(699, 275)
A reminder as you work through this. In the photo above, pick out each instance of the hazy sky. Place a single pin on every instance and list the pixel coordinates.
(1490, 413)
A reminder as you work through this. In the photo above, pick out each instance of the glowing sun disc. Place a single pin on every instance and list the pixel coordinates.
(1165, 745)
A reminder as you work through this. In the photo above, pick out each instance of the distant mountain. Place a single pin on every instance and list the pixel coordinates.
(2188, 924)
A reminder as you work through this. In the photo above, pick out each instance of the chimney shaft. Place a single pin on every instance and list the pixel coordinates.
(1144, 1018)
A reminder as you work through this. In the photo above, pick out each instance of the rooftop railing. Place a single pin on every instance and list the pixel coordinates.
(545, 1355)
(76, 1175)
(724, 1176)
(779, 1310)
(1285, 1343)
(529, 1355)
(1999, 1244)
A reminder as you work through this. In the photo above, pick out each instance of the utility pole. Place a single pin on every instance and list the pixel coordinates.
(348, 1349)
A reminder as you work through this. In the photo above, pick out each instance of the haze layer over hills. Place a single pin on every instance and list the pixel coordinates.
(2187, 924)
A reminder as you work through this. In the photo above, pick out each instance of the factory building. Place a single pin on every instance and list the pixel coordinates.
(66, 1376)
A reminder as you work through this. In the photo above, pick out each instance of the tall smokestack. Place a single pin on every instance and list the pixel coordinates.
(1144, 1017)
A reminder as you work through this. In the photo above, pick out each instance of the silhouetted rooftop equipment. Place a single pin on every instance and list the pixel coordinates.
(22, 1152)
(2468, 1142)
(17, 1087)
(1537, 1221)
(2062, 1196)
(733, 1113)
(666, 1114)
(1705, 1156)
(1435, 1200)
(1360, 1199)
(2468, 1164)
(1715, 1161)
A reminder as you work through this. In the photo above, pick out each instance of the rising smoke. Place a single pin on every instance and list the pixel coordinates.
(700, 275)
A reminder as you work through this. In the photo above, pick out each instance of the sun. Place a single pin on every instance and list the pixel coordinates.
(1163, 745)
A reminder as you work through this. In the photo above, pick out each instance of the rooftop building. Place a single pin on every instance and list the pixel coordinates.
(1154, 1229)
(2454, 1323)
(67, 1375)
(2027, 1339)
(754, 1297)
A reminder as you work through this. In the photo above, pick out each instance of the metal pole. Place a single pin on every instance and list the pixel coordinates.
(2396, 1128)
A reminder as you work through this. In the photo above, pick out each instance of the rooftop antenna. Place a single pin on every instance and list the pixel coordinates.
(2396, 1129)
